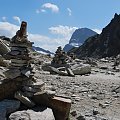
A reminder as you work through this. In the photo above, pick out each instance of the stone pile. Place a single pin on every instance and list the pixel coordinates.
(60, 57)
(20, 67)
(24, 85)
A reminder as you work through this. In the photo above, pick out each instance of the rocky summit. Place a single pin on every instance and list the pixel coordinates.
(106, 44)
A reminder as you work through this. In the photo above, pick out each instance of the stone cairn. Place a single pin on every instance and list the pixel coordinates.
(60, 57)
(20, 68)
(31, 92)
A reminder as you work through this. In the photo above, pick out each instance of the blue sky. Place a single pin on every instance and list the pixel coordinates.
(52, 22)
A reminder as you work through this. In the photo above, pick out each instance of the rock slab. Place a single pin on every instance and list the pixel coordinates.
(45, 114)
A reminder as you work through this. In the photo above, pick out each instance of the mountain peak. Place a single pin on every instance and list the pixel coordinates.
(78, 37)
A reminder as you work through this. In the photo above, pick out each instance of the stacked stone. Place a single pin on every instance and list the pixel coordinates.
(60, 57)
(20, 68)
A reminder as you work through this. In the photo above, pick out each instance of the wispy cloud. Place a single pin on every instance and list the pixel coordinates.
(54, 8)
(4, 19)
(69, 11)
(16, 18)
(40, 11)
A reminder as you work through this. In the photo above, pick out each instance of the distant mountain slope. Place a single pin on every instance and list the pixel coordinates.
(106, 44)
(41, 50)
(78, 38)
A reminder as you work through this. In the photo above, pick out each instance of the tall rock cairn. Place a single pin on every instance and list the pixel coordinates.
(20, 68)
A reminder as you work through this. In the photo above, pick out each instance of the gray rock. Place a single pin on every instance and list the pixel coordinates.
(45, 114)
(70, 72)
(73, 113)
(55, 70)
(7, 107)
(24, 100)
(81, 69)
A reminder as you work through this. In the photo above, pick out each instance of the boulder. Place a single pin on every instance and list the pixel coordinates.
(81, 69)
(42, 114)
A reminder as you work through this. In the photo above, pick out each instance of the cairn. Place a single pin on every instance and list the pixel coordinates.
(20, 68)
(31, 91)
(60, 57)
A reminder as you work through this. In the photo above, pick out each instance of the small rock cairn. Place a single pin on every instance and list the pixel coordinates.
(20, 68)
(60, 57)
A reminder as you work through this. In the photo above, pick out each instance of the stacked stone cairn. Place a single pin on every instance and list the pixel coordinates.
(30, 90)
(60, 57)
(20, 67)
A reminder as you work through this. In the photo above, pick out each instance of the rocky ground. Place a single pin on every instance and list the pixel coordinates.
(94, 96)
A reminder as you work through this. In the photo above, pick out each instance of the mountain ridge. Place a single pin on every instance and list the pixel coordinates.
(106, 44)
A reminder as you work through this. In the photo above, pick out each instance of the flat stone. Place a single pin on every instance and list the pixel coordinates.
(24, 57)
(18, 49)
(38, 85)
(50, 93)
(24, 100)
(12, 73)
(19, 61)
(18, 65)
(14, 53)
(42, 114)
(26, 45)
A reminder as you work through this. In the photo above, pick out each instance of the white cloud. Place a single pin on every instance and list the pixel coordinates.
(97, 30)
(17, 19)
(4, 19)
(8, 29)
(69, 11)
(51, 6)
(62, 30)
(63, 35)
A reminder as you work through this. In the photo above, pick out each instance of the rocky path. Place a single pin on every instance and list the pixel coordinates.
(94, 97)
